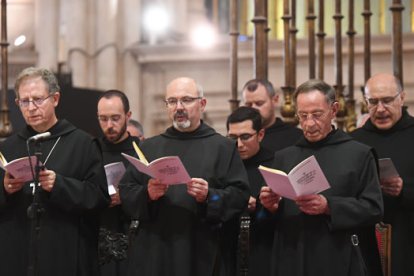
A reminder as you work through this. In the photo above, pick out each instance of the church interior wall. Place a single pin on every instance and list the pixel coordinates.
(101, 56)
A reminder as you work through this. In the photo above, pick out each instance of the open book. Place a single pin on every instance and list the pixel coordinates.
(114, 173)
(304, 179)
(170, 170)
(387, 168)
(19, 168)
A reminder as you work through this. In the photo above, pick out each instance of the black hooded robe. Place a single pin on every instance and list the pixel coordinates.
(178, 236)
(307, 245)
(280, 135)
(397, 143)
(261, 224)
(114, 219)
(68, 235)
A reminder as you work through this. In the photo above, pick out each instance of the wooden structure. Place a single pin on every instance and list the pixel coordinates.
(383, 233)
(5, 124)
(347, 115)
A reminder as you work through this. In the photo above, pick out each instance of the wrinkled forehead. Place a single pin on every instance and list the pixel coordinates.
(381, 88)
(182, 88)
(312, 100)
(32, 85)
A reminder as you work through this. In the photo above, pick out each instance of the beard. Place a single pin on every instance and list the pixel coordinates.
(181, 124)
(116, 138)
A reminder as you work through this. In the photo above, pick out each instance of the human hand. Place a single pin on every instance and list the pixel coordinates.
(269, 199)
(115, 199)
(198, 188)
(47, 179)
(12, 185)
(156, 189)
(392, 186)
(252, 204)
(313, 204)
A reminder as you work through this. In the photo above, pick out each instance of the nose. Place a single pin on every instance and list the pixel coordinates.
(180, 105)
(109, 123)
(380, 106)
(239, 144)
(32, 106)
(309, 121)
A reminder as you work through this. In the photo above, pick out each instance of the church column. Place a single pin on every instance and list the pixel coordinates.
(180, 20)
(73, 37)
(107, 48)
(130, 12)
(46, 32)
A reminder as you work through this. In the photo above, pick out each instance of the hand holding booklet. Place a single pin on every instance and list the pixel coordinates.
(114, 173)
(306, 178)
(170, 170)
(387, 168)
(19, 168)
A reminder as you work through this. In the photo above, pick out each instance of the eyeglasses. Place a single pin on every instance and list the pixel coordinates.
(113, 118)
(243, 137)
(384, 100)
(185, 101)
(315, 116)
(25, 103)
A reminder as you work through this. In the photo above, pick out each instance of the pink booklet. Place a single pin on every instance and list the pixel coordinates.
(387, 168)
(19, 168)
(114, 173)
(170, 170)
(306, 178)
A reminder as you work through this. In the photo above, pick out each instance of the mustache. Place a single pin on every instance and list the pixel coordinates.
(180, 113)
(110, 131)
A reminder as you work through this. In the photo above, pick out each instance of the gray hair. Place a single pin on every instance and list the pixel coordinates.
(319, 85)
(31, 72)
(137, 125)
(200, 91)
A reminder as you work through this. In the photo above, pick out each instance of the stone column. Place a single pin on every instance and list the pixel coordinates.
(46, 33)
(73, 37)
(130, 34)
(107, 47)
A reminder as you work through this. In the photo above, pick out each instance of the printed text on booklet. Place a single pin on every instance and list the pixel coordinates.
(304, 179)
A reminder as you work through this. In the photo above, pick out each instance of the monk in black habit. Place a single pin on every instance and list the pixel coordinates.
(323, 234)
(390, 130)
(180, 231)
(72, 190)
(113, 116)
(261, 95)
(244, 126)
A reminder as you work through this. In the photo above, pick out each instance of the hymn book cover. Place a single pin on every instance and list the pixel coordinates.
(387, 168)
(306, 178)
(18, 168)
(114, 173)
(170, 170)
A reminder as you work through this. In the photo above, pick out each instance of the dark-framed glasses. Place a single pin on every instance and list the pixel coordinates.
(185, 101)
(242, 137)
(315, 116)
(113, 118)
(24, 103)
(384, 100)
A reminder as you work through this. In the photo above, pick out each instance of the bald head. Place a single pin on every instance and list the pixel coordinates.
(385, 99)
(185, 103)
(185, 84)
(383, 81)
